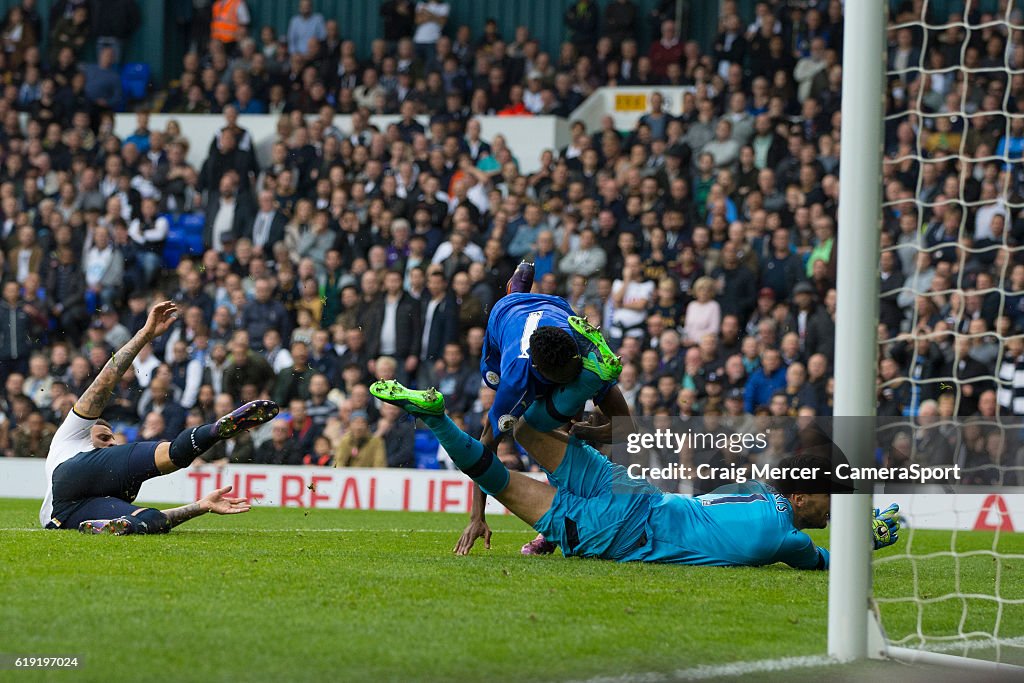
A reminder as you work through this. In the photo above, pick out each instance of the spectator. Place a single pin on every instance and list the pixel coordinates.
(153, 427)
(294, 382)
(303, 430)
(318, 406)
(782, 270)
(397, 431)
(667, 50)
(588, 259)
(765, 381)
(431, 17)
(277, 355)
(440, 315)
(70, 31)
(149, 232)
(32, 437)
(279, 449)
(158, 399)
(15, 342)
(186, 373)
(456, 379)
(27, 257)
(582, 21)
(245, 367)
(703, 314)
(398, 18)
(1010, 371)
(359, 447)
(824, 246)
(305, 27)
(264, 313)
(391, 315)
(631, 295)
(723, 148)
(810, 72)
(737, 290)
(113, 23)
(39, 382)
(18, 35)
(229, 22)
(104, 269)
(103, 81)
(620, 21)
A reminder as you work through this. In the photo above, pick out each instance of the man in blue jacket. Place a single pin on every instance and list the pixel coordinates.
(765, 381)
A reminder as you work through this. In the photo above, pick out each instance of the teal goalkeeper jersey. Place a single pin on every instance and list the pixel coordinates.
(749, 525)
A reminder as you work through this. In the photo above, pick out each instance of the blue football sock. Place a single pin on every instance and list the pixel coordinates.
(562, 404)
(469, 455)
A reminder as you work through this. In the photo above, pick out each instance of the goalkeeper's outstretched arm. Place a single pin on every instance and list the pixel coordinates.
(799, 551)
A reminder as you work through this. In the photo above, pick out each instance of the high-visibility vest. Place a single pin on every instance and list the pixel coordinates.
(225, 26)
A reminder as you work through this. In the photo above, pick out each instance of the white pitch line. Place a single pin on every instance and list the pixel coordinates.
(712, 671)
(705, 672)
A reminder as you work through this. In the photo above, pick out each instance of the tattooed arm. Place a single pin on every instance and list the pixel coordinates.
(94, 400)
(184, 513)
(216, 502)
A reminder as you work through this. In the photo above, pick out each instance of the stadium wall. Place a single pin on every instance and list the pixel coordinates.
(528, 136)
(451, 491)
(626, 105)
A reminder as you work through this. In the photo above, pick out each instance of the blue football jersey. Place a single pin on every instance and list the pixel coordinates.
(749, 525)
(506, 366)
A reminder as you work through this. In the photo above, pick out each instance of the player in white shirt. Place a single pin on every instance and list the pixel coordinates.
(91, 482)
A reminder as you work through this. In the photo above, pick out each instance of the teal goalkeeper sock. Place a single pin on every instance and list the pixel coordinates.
(469, 455)
(563, 403)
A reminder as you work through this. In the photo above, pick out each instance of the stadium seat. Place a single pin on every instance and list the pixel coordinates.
(426, 450)
(192, 223)
(192, 227)
(184, 238)
(174, 247)
(135, 80)
(193, 245)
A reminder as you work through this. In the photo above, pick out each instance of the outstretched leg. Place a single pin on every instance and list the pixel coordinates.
(526, 498)
(191, 443)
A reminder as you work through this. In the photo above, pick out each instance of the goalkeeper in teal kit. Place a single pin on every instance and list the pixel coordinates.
(591, 507)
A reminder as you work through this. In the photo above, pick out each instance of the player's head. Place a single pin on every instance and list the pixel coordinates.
(102, 435)
(808, 486)
(555, 355)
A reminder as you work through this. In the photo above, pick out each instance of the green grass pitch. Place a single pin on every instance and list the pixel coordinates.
(297, 595)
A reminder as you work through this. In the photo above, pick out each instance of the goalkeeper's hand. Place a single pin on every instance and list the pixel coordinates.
(885, 526)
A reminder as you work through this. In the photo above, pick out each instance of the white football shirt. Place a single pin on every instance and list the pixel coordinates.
(71, 438)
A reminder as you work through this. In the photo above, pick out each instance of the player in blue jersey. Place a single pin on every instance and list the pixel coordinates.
(592, 508)
(537, 351)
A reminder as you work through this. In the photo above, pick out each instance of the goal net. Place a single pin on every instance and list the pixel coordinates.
(951, 354)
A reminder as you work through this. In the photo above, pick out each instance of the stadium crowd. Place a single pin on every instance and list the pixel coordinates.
(704, 243)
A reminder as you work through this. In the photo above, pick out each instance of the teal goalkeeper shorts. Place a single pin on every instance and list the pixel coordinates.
(598, 509)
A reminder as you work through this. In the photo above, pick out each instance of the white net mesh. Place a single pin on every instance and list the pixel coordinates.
(951, 355)
(956, 592)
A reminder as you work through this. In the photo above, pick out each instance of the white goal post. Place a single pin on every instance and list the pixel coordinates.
(859, 225)
(854, 627)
